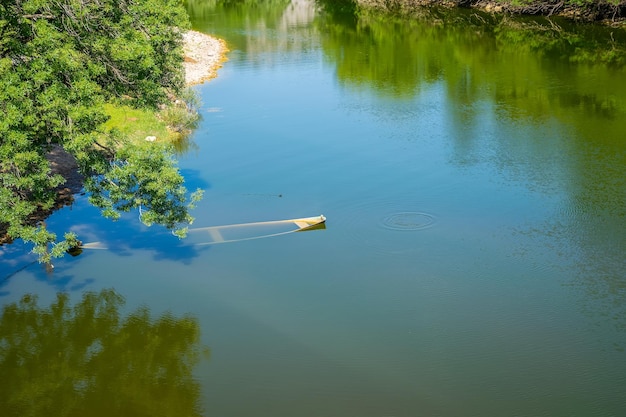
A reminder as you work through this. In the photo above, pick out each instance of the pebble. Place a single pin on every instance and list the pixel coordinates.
(204, 55)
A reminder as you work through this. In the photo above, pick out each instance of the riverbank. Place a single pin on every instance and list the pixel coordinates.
(599, 11)
(203, 56)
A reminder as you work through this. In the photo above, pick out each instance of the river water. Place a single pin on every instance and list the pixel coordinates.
(473, 177)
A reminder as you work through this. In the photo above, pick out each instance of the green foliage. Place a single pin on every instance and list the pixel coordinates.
(579, 2)
(516, 2)
(87, 359)
(60, 63)
(145, 178)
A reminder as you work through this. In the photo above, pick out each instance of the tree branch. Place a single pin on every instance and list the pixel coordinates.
(39, 16)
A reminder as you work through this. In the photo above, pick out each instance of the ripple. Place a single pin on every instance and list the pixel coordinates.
(387, 226)
(576, 212)
(409, 220)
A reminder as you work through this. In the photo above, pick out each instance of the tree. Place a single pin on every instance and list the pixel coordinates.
(60, 61)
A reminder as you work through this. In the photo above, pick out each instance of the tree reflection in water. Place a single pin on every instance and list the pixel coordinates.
(87, 360)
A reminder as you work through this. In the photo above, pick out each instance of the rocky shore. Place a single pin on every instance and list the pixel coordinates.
(204, 55)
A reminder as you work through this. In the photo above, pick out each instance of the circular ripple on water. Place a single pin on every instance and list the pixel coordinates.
(387, 226)
(408, 220)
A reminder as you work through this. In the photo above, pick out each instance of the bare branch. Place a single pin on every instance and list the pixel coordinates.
(48, 16)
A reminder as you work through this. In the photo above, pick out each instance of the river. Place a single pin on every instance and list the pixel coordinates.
(473, 178)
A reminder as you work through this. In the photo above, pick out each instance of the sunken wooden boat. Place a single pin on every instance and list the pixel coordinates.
(249, 231)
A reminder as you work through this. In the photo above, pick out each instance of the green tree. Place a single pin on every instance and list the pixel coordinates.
(60, 61)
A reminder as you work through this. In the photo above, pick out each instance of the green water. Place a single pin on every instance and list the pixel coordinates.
(473, 176)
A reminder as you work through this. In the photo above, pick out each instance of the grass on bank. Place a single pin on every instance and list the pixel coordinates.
(137, 124)
(170, 125)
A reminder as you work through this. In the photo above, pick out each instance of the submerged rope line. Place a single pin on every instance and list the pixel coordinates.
(246, 238)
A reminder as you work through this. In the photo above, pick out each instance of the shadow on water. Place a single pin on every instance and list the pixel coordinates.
(122, 237)
(87, 359)
(194, 179)
(164, 247)
(127, 235)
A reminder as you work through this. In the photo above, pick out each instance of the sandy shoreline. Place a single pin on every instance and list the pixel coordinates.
(204, 55)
